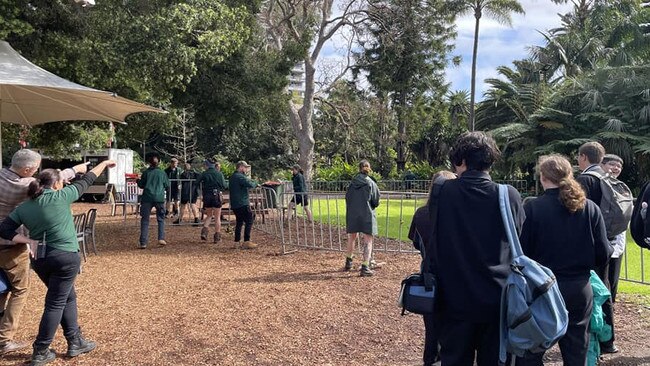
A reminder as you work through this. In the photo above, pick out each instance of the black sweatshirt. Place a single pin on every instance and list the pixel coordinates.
(473, 254)
(591, 184)
(570, 244)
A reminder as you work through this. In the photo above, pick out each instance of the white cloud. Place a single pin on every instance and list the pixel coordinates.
(498, 44)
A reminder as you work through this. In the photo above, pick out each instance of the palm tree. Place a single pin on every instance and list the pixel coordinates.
(498, 10)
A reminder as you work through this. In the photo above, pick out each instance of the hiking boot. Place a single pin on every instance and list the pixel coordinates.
(162, 242)
(196, 222)
(204, 233)
(176, 222)
(366, 272)
(217, 237)
(41, 356)
(12, 346)
(79, 345)
(348, 263)
(249, 245)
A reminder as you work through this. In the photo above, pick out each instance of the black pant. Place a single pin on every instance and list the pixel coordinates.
(431, 345)
(58, 271)
(244, 215)
(608, 306)
(613, 275)
(461, 341)
(579, 298)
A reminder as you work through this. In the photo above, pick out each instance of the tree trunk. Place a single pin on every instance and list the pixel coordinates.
(301, 121)
(401, 137)
(472, 117)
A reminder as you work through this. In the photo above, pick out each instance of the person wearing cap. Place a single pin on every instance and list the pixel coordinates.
(212, 185)
(174, 174)
(300, 191)
(613, 165)
(239, 185)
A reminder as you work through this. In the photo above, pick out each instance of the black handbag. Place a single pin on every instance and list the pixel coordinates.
(418, 291)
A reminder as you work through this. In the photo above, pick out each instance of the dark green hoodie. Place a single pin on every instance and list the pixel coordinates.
(361, 199)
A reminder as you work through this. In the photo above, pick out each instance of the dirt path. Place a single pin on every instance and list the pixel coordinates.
(194, 303)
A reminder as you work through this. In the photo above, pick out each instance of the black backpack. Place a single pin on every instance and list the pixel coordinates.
(640, 223)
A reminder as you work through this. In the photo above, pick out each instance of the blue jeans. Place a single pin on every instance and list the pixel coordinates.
(145, 213)
(58, 271)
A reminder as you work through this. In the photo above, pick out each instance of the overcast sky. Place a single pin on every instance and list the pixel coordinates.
(498, 44)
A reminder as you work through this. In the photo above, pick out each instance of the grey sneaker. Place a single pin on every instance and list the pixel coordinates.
(217, 237)
(204, 233)
(366, 272)
(348, 263)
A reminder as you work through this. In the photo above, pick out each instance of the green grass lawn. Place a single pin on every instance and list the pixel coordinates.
(394, 220)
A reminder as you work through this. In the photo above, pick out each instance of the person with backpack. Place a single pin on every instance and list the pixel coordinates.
(239, 185)
(154, 183)
(566, 233)
(212, 183)
(592, 180)
(189, 193)
(613, 165)
(473, 254)
(419, 234)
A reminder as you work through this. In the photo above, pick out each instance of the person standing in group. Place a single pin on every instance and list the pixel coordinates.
(590, 156)
(300, 192)
(14, 259)
(473, 255)
(239, 185)
(212, 183)
(189, 193)
(420, 233)
(613, 165)
(361, 200)
(566, 233)
(154, 183)
(173, 172)
(54, 246)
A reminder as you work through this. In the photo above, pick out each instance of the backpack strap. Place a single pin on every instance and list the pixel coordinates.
(509, 221)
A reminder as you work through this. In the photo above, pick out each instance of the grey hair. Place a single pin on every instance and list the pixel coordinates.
(26, 158)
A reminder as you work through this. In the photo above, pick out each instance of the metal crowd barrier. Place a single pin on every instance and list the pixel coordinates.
(633, 265)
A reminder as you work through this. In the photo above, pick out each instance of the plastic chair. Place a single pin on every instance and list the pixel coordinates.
(80, 227)
(89, 229)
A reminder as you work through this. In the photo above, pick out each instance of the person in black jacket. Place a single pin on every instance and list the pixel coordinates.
(473, 255)
(590, 156)
(566, 233)
(300, 192)
(419, 233)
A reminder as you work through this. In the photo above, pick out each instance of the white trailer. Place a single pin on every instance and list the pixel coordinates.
(115, 176)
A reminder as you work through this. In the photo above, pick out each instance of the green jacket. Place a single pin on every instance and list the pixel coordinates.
(239, 186)
(299, 183)
(599, 331)
(361, 200)
(155, 183)
(212, 179)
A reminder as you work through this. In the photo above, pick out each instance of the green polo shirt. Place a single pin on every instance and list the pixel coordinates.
(50, 213)
(239, 185)
(154, 182)
(212, 179)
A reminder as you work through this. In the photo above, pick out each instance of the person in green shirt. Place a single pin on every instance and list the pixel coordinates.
(300, 192)
(212, 183)
(239, 203)
(54, 247)
(154, 183)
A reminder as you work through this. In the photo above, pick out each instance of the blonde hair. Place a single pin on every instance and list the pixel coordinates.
(441, 174)
(556, 169)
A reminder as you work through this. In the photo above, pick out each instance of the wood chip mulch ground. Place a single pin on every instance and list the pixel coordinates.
(198, 303)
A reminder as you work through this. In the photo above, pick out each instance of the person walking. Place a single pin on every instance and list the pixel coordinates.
(566, 233)
(361, 200)
(189, 193)
(14, 259)
(300, 192)
(613, 165)
(420, 233)
(55, 250)
(239, 185)
(590, 157)
(473, 255)
(173, 172)
(154, 183)
(212, 183)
